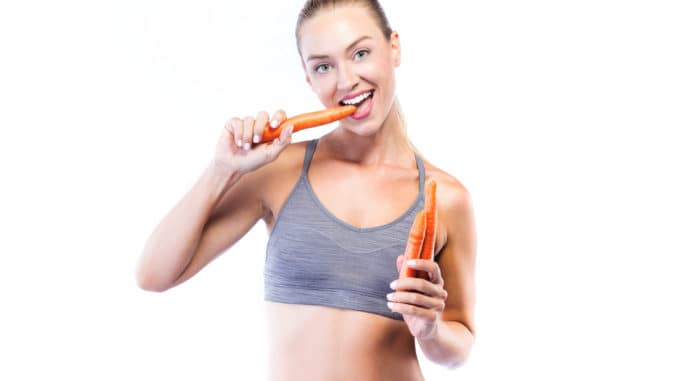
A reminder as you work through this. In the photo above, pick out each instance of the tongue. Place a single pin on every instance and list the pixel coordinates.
(363, 104)
(364, 109)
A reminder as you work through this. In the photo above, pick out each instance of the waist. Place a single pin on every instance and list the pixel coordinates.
(326, 343)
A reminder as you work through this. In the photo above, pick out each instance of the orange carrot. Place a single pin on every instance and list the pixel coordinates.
(428, 246)
(416, 238)
(308, 120)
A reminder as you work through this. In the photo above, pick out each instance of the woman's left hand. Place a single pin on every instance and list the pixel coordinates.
(420, 301)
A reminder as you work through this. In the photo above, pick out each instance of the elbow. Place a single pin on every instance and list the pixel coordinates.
(147, 284)
(147, 280)
(460, 359)
(456, 362)
(453, 361)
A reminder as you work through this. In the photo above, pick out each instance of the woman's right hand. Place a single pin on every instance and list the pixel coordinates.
(237, 149)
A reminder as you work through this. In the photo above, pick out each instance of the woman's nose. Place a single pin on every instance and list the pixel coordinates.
(347, 78)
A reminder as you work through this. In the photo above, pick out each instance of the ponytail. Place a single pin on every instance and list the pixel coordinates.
(402, 125)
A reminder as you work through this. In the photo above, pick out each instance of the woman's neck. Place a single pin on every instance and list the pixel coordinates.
(389, 145)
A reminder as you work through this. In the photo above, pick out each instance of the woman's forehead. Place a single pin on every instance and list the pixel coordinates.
(335, 28)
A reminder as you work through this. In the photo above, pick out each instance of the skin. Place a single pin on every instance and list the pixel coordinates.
(247, 182)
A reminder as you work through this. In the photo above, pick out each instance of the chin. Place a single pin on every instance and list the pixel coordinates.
(366, 128)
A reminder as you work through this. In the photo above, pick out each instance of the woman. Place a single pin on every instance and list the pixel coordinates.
(338, 210)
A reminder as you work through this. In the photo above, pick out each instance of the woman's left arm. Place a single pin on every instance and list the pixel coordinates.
(439, 310)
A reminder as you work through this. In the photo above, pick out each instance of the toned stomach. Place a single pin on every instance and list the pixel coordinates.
(323, 343)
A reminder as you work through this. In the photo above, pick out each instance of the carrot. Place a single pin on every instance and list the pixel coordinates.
(308, 120)
(413, 248)
(428, 246)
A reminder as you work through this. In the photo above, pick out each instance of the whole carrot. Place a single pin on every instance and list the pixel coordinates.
(428, 246)
(308, 120)
(414, 242)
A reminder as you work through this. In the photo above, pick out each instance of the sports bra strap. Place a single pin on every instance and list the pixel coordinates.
(422, 173)
(310, 148)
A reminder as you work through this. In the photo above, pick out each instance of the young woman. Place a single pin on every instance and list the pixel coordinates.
(338, 210)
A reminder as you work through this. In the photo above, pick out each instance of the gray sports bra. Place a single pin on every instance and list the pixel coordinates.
(314, 258)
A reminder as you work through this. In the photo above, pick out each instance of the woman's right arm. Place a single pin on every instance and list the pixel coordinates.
(219, 209)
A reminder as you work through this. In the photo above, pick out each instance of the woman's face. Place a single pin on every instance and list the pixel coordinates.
(347, 60)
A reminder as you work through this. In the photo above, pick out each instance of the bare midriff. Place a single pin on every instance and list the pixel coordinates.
(310, 342)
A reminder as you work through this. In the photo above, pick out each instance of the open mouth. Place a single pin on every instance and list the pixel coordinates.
(356, 101)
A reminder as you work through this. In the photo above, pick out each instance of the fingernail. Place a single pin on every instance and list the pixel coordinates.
(256, 139)
(390, 305)
(274, 123)
(247, 146)
(393, 285)
(390, 296)
(412, 262)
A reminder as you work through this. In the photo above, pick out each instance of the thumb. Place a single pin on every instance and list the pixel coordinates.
(399, 262)
(273, 149)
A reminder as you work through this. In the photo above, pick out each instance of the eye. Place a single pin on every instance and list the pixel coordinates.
(360, 54)
(322, 68)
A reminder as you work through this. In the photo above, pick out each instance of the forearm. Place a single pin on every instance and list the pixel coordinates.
(171, 245)
(450, 345)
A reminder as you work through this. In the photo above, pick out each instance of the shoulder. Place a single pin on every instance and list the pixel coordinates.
(278, 176)
(452, 194)
(258, 185)
(453, 200)
(292, 157)
(262, 189)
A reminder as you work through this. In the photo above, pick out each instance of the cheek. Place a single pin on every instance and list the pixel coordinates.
(385, 84)
(323, 87)
(379, 71)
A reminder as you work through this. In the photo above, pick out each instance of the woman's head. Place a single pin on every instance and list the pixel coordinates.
(373, 7)
(347, 48)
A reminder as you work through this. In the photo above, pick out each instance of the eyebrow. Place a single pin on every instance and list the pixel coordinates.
(323, 56)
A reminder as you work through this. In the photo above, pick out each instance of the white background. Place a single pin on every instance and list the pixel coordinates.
(559, 117)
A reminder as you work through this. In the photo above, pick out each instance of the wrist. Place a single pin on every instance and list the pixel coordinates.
(432, 336)
(220, 177)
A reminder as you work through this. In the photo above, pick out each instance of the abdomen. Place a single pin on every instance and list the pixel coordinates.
(323, 343)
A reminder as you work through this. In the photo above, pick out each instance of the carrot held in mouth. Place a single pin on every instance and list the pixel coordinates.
(428, 246)
(308, 120)
(413, 248)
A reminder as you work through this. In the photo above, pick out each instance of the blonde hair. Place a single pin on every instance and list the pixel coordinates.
(403, 127)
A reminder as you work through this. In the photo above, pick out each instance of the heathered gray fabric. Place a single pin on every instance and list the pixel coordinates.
(314, 258)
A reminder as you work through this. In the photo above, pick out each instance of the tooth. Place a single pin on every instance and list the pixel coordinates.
(358, 99)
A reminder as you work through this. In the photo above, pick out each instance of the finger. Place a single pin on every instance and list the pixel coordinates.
(399, 262)
(429, 267)
(285, 136)
(416, 299)
(259, 124)
(278, 117)
(408, 309)
(235, 126)
(272, 150)
(419, 285)
(247, 128)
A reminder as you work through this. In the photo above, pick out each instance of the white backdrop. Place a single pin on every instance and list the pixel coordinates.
(558, 117)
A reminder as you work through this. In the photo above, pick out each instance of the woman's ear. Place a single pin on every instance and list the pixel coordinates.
(395, 48)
